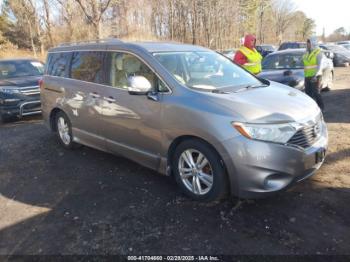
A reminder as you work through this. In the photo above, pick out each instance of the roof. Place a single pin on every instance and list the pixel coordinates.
(18, 59)
(146, 46)
(293, 42)
(290, 51)
(168, 47)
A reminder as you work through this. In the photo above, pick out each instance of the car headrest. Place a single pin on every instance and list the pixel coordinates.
(119, 62)
(131, 64)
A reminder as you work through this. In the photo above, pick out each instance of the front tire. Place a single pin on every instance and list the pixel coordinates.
(199, 171)
(64, 130)
(5, 118)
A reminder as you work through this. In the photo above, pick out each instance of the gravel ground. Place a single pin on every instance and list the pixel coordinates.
(54, 201)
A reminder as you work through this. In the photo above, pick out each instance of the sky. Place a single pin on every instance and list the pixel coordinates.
(330, 14)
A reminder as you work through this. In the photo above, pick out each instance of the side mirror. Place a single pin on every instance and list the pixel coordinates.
(138, 85)
(330, 55)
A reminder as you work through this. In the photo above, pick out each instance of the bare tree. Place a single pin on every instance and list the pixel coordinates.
(284, 12)
(217, 24)
(94, 10)
(47, 20)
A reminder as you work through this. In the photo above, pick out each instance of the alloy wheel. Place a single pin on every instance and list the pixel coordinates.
(195, 171)
(63, 130)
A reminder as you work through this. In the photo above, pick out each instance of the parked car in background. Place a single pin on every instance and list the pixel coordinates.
(264, 50)
(341, 54)
(185, 111)
(287, 67)
(343, 42)
(19, 87)
(347, 46)
(292, 45)
(230, 53)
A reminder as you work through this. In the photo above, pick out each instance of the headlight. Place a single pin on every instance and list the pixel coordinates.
(9, 89)
(278, 133)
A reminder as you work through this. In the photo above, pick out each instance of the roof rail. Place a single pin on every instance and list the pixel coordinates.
(95, 41)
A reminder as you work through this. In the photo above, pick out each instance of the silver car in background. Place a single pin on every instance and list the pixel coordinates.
(184, 111)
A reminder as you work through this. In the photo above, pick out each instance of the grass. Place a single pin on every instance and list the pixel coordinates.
(20, 53)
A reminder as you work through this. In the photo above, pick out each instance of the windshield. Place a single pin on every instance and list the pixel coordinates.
(205, 70)
(268, 48)
(20, 68)
(283, 61)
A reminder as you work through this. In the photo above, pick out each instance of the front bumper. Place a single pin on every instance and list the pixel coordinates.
(23, 108)
(258, 169)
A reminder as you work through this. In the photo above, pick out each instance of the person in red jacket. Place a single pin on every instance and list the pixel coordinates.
(253, 62)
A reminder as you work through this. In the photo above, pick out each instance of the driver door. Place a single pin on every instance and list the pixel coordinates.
(131, 123)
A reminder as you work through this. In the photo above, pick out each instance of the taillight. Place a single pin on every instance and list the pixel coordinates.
(41, 82)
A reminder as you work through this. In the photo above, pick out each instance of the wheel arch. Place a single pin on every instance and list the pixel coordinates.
(52, 118)
(180, 139)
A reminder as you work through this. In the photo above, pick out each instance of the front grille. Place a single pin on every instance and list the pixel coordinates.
(306, 136)
(30, 90)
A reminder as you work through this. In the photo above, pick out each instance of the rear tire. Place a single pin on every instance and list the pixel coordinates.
(199, 171)
(64, 130)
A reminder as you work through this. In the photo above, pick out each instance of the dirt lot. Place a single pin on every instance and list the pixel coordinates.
(54, 201)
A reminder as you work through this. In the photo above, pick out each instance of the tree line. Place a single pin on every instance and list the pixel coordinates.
(217, 24)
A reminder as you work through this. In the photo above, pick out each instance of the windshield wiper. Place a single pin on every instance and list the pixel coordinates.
(218, 91)
(251, 87)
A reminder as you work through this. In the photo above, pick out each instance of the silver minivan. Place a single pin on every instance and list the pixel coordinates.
(184, 111)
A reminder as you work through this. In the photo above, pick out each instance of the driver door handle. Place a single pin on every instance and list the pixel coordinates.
(95, 95)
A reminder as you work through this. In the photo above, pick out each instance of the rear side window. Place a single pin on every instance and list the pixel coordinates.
(58, 64)
(89, 66)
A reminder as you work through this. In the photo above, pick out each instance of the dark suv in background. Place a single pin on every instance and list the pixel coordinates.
(292, 45)
(19, 88)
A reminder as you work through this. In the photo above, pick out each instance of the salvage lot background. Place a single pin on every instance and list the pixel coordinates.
(54, 201)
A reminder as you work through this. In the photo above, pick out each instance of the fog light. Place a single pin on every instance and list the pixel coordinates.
(276, 182)
(273, 184)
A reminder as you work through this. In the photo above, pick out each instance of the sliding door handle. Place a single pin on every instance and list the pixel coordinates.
(109, 99)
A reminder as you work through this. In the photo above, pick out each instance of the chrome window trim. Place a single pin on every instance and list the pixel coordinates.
(169, 92)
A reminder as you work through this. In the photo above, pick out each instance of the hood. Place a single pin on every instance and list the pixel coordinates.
(21, 81)
(248, 40)
(276, 103)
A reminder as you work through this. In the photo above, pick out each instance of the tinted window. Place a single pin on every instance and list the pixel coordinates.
(268, 48)
(122, 66)
(283, 46)
(302, 45)
(88, 66)
(58, 63)
(20, 68)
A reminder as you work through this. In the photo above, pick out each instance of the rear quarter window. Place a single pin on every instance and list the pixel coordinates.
(58, 64)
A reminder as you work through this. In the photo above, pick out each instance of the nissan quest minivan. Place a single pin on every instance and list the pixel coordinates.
(184, 111)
